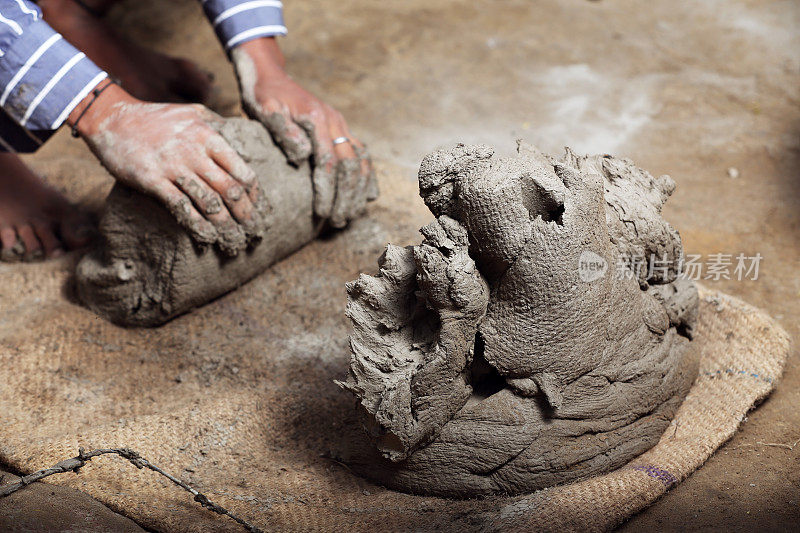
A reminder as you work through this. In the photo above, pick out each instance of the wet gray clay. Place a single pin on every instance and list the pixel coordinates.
(538, 335)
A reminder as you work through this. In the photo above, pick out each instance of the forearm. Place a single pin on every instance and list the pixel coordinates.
(88, 116)
(265, 54)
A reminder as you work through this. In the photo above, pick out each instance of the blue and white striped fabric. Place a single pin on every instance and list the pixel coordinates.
(43, 77)
(239, 21)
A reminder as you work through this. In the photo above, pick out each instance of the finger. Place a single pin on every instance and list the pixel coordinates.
(366, 187)
(33, 248)
(348, 204)
(345, 206)
(324, 174)
(290, 137)
(362, 154)
(207, 201)
(343, 150)
(214, 120)
(231, 237)
(367, 170)
(180, 206)
(231, 194)
(252, 209)
(231, 162)
(8, 237)
(12, 249)
(44, 231)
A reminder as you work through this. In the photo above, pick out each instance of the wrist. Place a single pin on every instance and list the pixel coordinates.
(88, 116)
(265, 54)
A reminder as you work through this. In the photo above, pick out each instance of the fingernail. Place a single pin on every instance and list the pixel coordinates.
(58, 252)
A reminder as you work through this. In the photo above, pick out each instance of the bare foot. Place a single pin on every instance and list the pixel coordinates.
(144, 73)
(35, 220)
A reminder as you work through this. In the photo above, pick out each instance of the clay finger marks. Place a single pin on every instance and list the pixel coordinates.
(432, 276)
(180, 207)
(586, 191)
(584, 180)
(230, 236)
(447, 274)
(397, 279)
(325, 170)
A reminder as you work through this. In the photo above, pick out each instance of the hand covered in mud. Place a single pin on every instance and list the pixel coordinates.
(173, 153)
(304, 126)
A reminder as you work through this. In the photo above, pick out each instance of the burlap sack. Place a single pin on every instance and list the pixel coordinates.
(237, 398)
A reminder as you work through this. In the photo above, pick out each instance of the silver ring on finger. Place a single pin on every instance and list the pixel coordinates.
(340, 140)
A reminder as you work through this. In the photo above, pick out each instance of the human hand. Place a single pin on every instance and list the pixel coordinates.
(173, 152)
(302, 125)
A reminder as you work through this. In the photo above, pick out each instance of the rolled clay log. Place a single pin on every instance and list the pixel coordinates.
(146, 269)
(519, 346)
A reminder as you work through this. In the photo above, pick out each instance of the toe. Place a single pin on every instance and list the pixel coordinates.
(33, 248)
(45, 232)
(8, 237)
(12, 249)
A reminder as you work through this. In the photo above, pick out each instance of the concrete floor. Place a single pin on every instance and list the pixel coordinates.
(690, 89)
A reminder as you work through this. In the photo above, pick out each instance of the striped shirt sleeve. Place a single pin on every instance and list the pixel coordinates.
(42, 76)
(239, 21)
